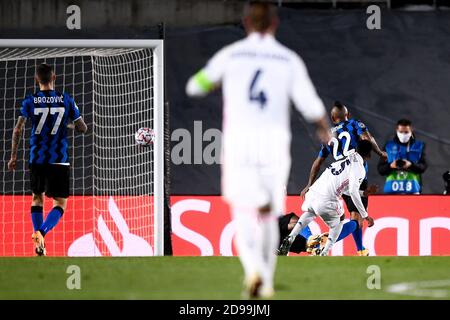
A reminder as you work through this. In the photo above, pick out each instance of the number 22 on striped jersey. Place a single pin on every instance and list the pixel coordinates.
(335, 142)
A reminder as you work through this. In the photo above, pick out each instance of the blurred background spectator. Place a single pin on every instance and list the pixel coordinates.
(405, 161)
(446, 177)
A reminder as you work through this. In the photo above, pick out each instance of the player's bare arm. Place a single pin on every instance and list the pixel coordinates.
(323, 130)
(370, 221)
(367, 136)
(371, 189)
(78, 125)
(17, 134)
(314, 172)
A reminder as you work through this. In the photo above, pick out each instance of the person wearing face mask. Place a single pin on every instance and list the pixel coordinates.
(405, 161)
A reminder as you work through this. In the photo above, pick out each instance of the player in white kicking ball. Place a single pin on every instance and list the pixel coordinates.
(323, 197)
(259, 78)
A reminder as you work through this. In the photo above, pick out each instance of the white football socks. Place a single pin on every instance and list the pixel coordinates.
(257, 238)
(270, 240)
(332, 236)
(304, 220)
(248, 240)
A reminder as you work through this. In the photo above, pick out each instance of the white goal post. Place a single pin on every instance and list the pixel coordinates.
(109, 66)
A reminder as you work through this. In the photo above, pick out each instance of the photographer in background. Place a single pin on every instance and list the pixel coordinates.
(405, 161)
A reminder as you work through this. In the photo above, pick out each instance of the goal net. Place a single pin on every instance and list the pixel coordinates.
(116, 203)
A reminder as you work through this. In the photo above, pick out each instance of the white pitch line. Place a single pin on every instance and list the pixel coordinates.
(421, 288)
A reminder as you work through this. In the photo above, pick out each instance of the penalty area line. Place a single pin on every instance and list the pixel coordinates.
(431, 289)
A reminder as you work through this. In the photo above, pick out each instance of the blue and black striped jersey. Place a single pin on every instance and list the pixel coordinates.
(50, 112)
(346, 135)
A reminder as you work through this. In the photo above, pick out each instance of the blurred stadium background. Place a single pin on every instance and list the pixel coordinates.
(383, 75)
(402, 70)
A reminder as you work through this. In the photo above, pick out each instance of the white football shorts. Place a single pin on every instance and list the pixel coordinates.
(255, 187)
(330, 210)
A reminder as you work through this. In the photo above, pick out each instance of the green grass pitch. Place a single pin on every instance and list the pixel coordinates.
(214, 277)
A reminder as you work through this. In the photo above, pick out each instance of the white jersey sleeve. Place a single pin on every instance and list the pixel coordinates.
(303, 94)
(210, 76)
(356, 177)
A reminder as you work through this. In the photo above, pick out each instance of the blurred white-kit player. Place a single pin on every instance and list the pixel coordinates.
(259, 78)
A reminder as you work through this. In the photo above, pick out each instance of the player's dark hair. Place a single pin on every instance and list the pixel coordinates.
(364, 148)
(260, 14)
(338, 104)
(44, 73)
(404, 122)
(339, 112)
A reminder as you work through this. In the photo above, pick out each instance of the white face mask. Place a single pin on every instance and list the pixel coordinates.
(404, 137)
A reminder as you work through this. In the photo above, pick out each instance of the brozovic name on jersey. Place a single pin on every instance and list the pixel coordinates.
(57, 99)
